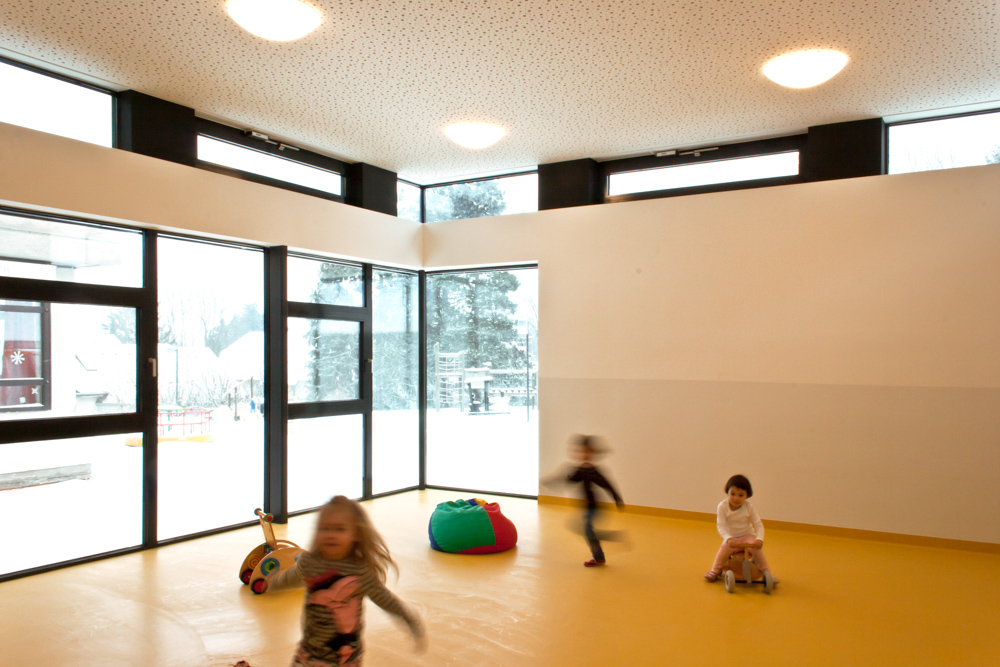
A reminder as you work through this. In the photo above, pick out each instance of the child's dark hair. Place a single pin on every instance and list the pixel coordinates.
(589, 442)
(740, 482)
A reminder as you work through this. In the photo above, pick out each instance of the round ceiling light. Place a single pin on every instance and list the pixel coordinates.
(276, 20)
(475, 135)
(804, 69)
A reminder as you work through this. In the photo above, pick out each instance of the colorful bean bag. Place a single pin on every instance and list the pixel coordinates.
(471, 527)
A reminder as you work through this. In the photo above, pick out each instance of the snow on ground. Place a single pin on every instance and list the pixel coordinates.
(205, 485)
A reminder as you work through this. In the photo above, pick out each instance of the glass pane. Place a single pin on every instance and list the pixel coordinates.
(407, 201)
(324, 360)
(315, 281)
(51, 105)
(479, 199)
(50, 250)
(262, 164)
(482, 388)
(324, 460)
(66, 359)
(396, 378)
(704, 173)
(211, 371)
(65, 499)
(965, 141)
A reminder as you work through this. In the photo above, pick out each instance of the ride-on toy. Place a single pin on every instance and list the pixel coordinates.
(741, 568)
(268, 558)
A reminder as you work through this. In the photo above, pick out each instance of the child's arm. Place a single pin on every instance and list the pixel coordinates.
(602, 482)
(289, 578)
(722, 523)
(558, 477)
(389, 601)
(758, 527)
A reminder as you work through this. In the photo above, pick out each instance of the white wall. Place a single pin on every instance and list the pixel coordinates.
(837, 342)
(51, 173)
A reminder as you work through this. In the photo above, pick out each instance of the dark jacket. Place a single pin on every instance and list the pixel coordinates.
(590, 477)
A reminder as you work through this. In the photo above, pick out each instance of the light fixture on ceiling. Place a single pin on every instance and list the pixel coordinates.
(804, 69)
(275, 20)
(474, 135)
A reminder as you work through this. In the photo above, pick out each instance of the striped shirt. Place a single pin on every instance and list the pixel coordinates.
(332, 621)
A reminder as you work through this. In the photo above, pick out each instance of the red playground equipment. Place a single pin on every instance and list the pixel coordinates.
(268, 558)
(741, 568)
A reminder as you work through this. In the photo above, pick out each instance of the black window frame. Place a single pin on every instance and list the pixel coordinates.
(709, 153)
(928, 119)
(143, 420)
(45, 379)
(239, 137)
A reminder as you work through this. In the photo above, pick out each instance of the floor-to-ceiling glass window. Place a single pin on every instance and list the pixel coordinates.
(69, 298)
(211, 385)
(396, 361)
(482, 369)
(329, 380)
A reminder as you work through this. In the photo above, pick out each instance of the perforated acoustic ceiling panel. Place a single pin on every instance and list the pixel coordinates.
(567, 78)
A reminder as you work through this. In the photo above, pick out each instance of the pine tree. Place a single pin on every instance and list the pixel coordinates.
(465, 200)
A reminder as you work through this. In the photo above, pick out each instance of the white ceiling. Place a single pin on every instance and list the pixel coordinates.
(568, 79)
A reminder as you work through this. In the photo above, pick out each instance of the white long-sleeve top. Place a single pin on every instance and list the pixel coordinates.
(733, 523)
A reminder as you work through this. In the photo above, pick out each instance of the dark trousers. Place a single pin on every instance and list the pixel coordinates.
(592, 541)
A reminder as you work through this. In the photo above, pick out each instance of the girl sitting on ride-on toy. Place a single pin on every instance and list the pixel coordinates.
(740, 527)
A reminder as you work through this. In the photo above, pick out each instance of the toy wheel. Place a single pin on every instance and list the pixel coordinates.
(768, 582)
(245, 576)
(747, 572)
(259, 586)
(729, 578)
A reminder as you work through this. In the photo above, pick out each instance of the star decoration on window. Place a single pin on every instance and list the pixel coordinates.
(34, 390)
(24, 400)
(17, 358)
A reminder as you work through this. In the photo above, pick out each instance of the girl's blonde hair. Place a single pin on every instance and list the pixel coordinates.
(369, 547)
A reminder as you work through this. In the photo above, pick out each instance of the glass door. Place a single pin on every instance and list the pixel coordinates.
(329, 381)
(482, 380)
(210, 418)
(72, 374)
(396, 404)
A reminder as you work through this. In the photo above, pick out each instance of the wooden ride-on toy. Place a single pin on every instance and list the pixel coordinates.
(269, 558)
(741, 568)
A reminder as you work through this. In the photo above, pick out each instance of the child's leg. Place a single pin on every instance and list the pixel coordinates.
(725, 551)
(720, 558)
(746, 541)
(760, 560)
(592, 541)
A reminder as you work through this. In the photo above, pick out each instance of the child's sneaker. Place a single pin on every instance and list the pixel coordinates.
(711, 576)
(593, 563)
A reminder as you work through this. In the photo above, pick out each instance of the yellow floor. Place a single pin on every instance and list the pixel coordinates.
(841, 601)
